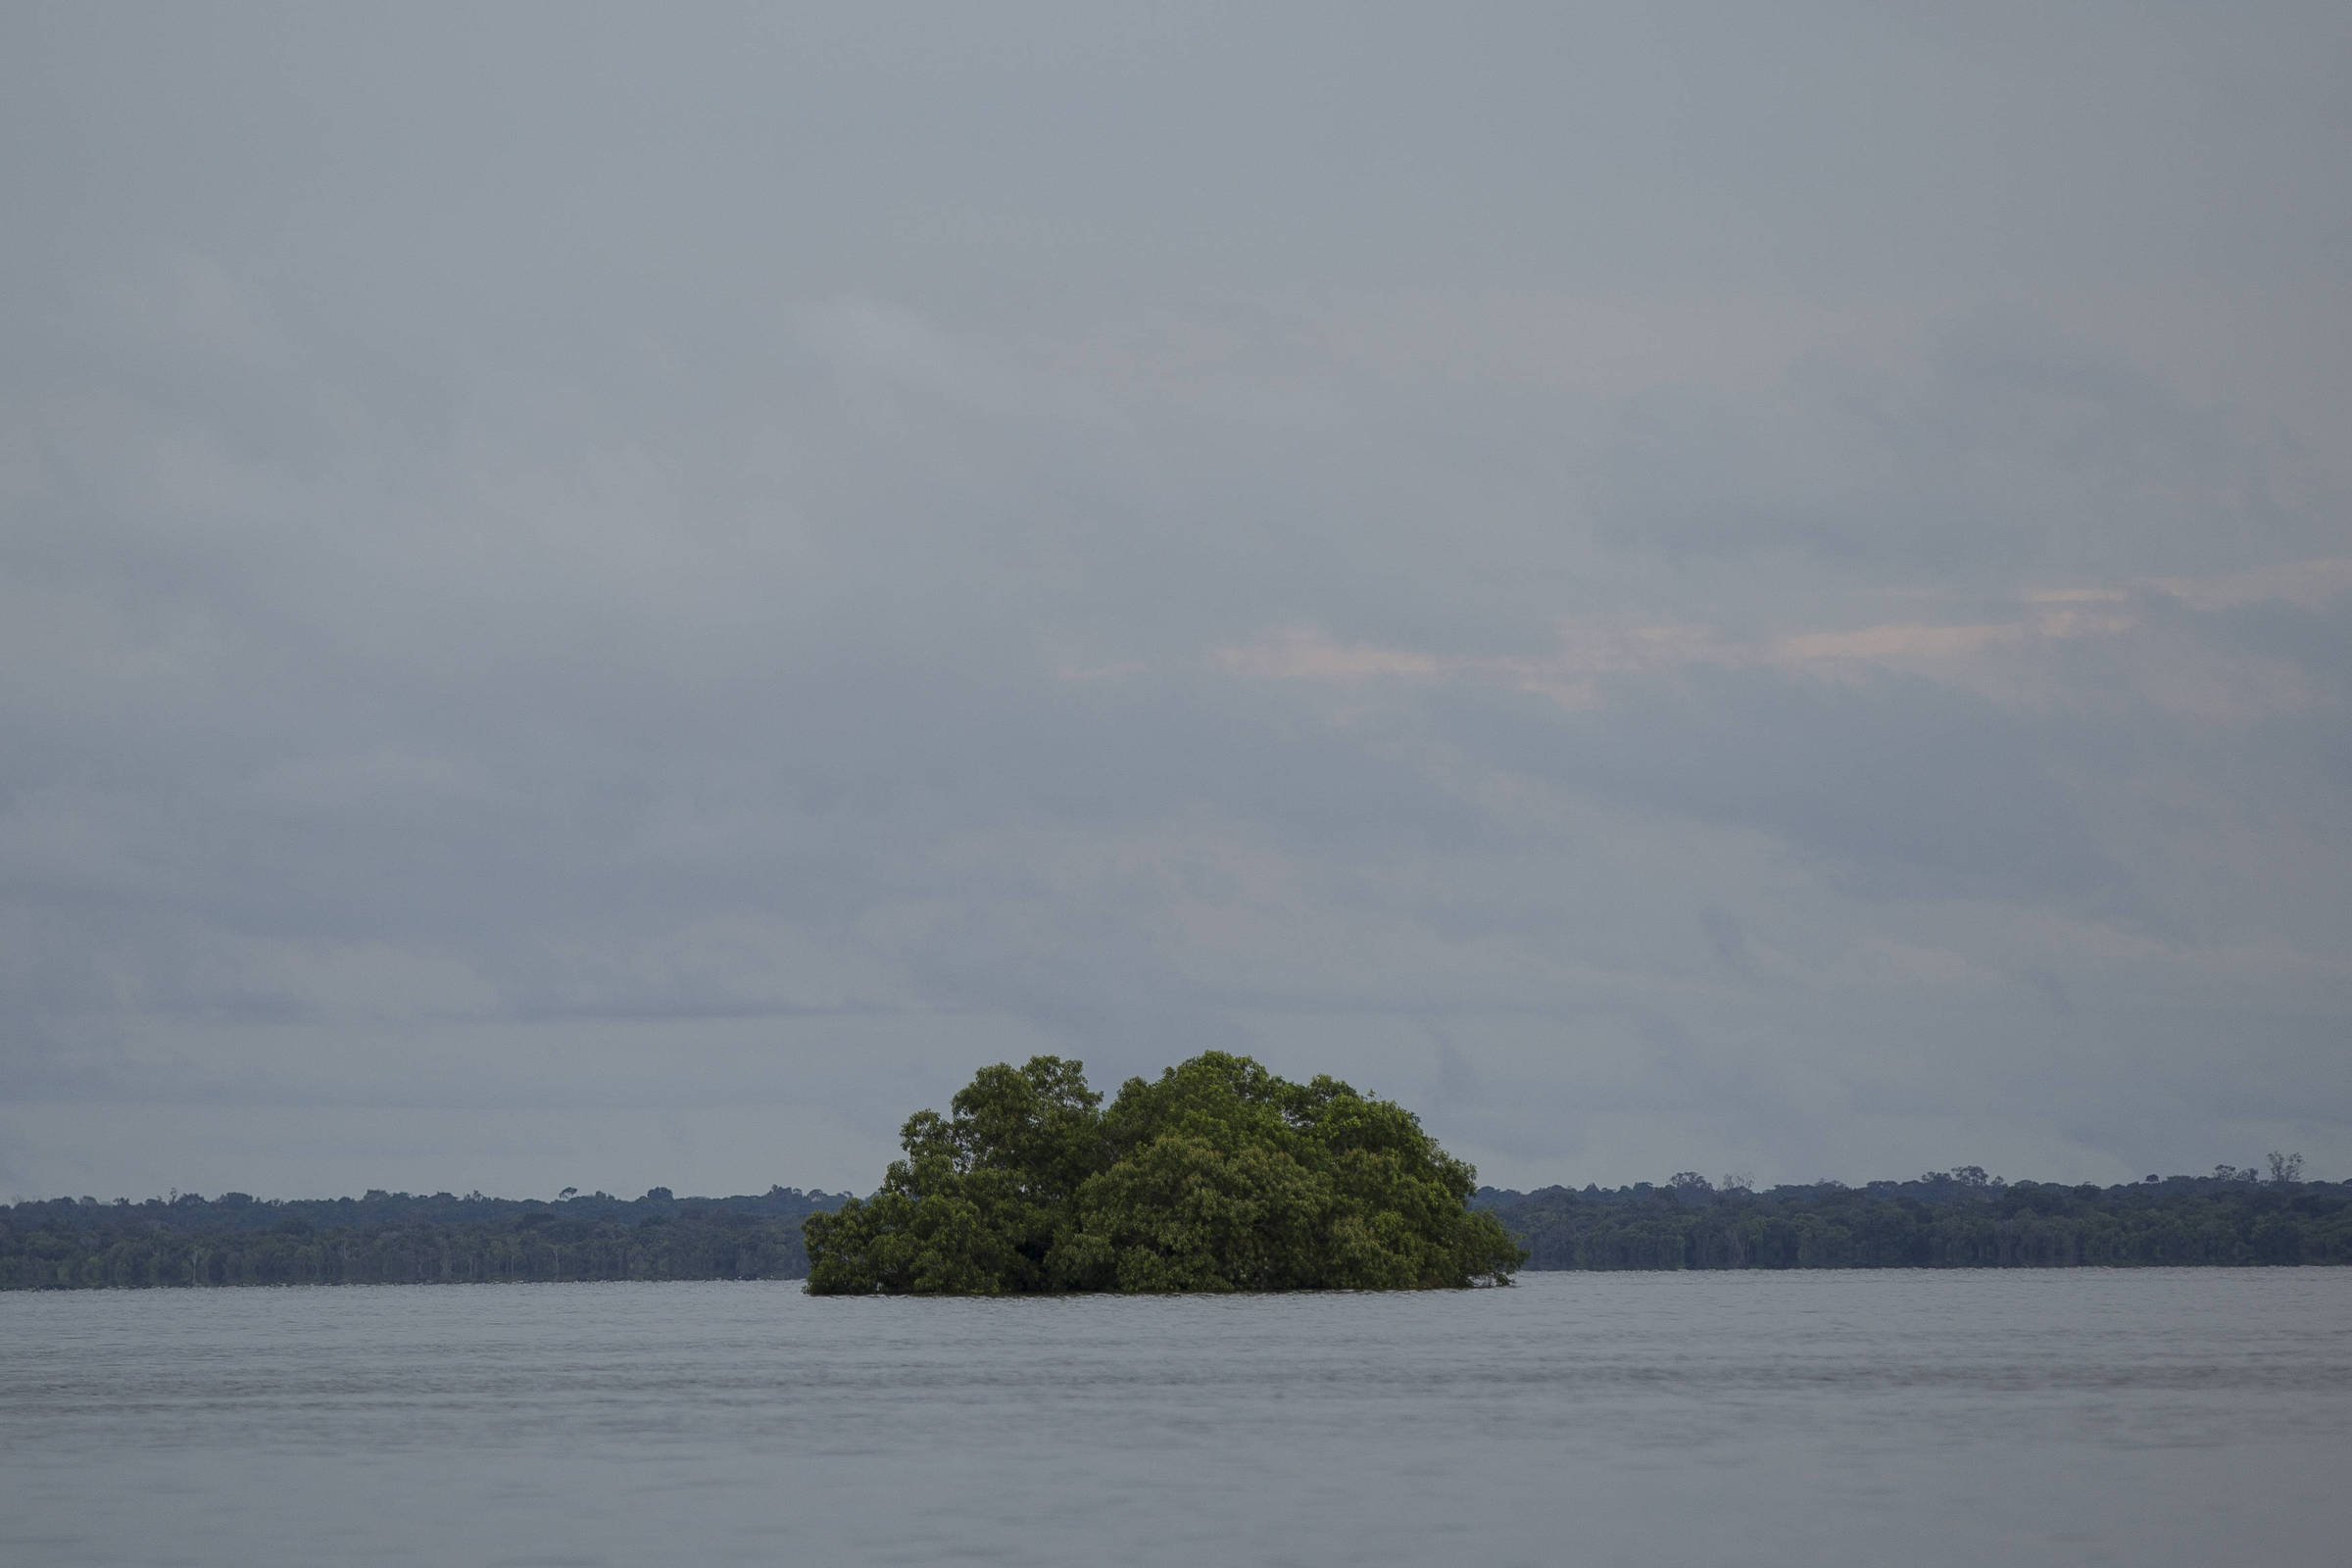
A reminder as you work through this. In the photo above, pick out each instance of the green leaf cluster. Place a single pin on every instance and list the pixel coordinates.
(1220, 1176)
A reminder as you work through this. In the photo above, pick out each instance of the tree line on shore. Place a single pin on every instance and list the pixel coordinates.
(1944, 1220)
(401, 1238)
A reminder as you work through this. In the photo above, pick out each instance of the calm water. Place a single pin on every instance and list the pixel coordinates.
(2189, 1417)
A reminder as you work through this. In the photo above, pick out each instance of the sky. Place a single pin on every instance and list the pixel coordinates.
(604, 597)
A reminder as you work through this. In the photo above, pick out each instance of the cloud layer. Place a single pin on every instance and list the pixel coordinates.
(598, 600)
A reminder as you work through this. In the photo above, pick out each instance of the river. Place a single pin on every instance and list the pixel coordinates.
(2145, 1417)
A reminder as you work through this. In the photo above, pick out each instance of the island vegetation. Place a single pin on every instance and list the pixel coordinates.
(1217, 1177)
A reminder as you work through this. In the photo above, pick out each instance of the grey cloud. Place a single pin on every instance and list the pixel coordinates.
(1726, 937)
(2014, 452)
(2316, 639)
(561, 559)
(1901, 786)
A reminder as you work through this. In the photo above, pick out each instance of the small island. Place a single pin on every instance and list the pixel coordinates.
(1217, 1177)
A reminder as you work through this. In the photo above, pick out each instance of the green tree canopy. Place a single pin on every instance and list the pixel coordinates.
(1218, 1177)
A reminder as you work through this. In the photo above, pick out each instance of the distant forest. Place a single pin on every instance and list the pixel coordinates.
(396, 1239)
(1945, 1219)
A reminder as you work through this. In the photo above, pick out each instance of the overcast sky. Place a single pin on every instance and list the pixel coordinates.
(620, 597)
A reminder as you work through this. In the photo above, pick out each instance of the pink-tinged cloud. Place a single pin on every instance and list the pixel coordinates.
(2013, 661)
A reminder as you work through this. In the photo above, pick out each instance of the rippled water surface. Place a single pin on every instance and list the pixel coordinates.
(2143, 1417)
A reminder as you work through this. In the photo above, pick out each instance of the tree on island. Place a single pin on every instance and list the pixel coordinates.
(1218, 1177)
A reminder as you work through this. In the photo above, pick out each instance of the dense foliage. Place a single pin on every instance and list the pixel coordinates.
(393, 1237)
(1218, 1177)
(1943, 1220)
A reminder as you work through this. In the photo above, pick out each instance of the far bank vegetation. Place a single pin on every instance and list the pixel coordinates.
(1964, 1218)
